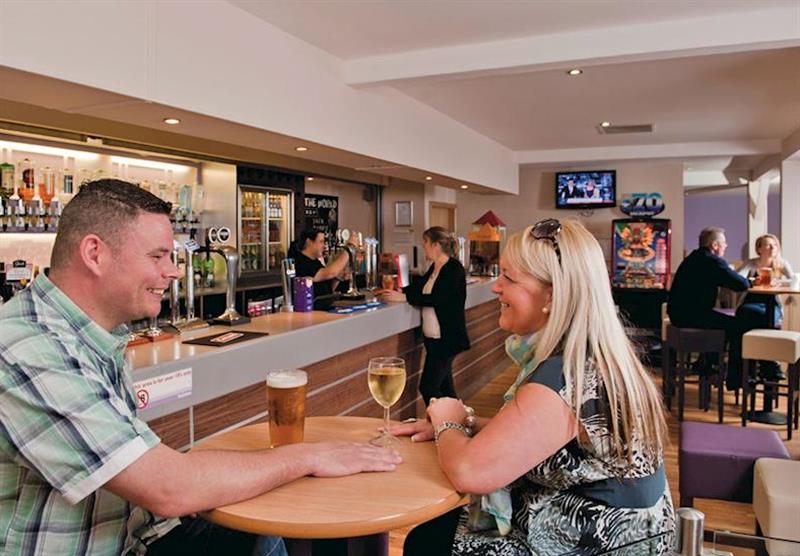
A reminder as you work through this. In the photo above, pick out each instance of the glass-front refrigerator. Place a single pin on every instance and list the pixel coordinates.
(265, 228)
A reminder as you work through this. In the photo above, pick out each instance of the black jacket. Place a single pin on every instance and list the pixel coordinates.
(448, 296)
(694, 290)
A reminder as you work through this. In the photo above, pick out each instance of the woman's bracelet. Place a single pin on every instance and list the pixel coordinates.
(450, 425)
(466, 429)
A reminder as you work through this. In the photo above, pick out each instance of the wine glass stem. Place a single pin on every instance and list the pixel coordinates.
(386, 421)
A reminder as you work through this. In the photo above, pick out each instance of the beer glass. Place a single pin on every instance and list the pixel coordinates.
(286, 401)
(386, 377)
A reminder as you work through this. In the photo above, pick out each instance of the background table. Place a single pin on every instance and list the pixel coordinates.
(792, 288)
(356, 505)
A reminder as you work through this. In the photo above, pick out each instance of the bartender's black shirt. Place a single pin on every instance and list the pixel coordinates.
(306, 266)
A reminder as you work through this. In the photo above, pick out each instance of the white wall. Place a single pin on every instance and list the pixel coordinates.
(354, 212)
(213, 58)
(536, 200)
(398, 239)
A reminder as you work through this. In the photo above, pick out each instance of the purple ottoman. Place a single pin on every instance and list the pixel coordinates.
(716, 461)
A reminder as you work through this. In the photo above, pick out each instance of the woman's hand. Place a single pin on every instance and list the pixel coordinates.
(418, 430)
(394, 296)
(446, 409)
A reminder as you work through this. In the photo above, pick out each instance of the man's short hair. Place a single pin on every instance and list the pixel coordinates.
(104, 208)
(710, 235)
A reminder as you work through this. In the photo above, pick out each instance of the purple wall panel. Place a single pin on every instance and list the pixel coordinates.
(727, 210)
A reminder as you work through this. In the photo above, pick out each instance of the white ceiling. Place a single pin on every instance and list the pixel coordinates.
(719, 78)
(351, 29)
(746, 95)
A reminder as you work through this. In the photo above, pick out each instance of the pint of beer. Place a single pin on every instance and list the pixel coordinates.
(286, 401)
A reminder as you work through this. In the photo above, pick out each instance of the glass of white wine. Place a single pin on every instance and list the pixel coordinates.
(387, 379)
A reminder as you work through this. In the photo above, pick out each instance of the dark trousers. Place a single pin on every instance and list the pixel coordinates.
(437, 375)
(734, 329)
(198, 537)
(434, 537)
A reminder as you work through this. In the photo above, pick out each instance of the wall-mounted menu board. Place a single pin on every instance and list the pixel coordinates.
(322, 213)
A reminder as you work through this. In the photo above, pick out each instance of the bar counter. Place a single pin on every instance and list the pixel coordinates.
(228, 383)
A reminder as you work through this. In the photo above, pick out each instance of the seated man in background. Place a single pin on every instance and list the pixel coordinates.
(80, 473)
(693, 296)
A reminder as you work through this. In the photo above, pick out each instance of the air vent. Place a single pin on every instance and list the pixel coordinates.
(620, 129)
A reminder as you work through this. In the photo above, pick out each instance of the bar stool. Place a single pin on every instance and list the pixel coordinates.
(776, 503)
(775, 345)
(684, 342)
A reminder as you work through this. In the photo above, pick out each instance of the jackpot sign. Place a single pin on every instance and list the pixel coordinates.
(642, 204)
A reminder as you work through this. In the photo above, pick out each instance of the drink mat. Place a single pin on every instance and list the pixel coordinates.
(226, 338)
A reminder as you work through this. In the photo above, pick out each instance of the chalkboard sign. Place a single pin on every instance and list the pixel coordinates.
(322, 213)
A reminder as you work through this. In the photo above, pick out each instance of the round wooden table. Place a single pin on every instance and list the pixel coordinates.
(352, 506)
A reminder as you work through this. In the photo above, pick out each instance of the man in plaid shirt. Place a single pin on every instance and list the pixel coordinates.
(79, 472)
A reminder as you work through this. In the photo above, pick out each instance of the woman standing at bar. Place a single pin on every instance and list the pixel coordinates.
(441, 294)
(573, 463)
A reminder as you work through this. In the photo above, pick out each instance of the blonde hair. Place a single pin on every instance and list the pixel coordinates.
(777, 260)
(583, 323)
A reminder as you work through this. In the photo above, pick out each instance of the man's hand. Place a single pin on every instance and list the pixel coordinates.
(420, 430)
(336, 459)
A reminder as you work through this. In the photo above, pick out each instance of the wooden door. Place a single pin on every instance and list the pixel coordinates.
(442, 214)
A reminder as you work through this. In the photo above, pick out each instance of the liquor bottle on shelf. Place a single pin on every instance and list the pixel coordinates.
(6, 177)
(67, 186)
(199, 203)
(27, 178)
(84, 177)
(47, 187)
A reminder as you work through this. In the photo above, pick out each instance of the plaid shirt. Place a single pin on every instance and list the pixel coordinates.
(67, 426)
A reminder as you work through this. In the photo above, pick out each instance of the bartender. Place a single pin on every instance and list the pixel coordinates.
(308, 262)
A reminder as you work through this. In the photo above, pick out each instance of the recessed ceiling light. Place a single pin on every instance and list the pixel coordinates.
(428, 178)
(575, 71)
(301, 149)
(172, 121)
(310, 178)
(464, 186)
(605, 124)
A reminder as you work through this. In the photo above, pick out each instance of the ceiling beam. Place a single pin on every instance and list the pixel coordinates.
(664, 150)
(720, 34)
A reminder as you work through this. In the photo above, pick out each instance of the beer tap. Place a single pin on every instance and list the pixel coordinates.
(343, 238)
(190, 321)
(175, 289)
(287, 276)
(217, 238)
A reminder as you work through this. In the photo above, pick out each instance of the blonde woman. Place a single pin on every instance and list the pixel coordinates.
(573, 462)
(752, 311)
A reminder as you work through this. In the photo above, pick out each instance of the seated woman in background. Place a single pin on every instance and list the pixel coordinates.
(573, 462)
(753, 308)
(441, 293)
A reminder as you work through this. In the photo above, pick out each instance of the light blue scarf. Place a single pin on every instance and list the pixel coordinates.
(494, 510)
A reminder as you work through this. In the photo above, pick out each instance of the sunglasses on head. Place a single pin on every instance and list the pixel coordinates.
(548, 230)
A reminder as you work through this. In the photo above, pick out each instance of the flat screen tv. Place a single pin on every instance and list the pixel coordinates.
(586, 190)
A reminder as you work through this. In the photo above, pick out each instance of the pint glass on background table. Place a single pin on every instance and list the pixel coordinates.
(286, 401)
